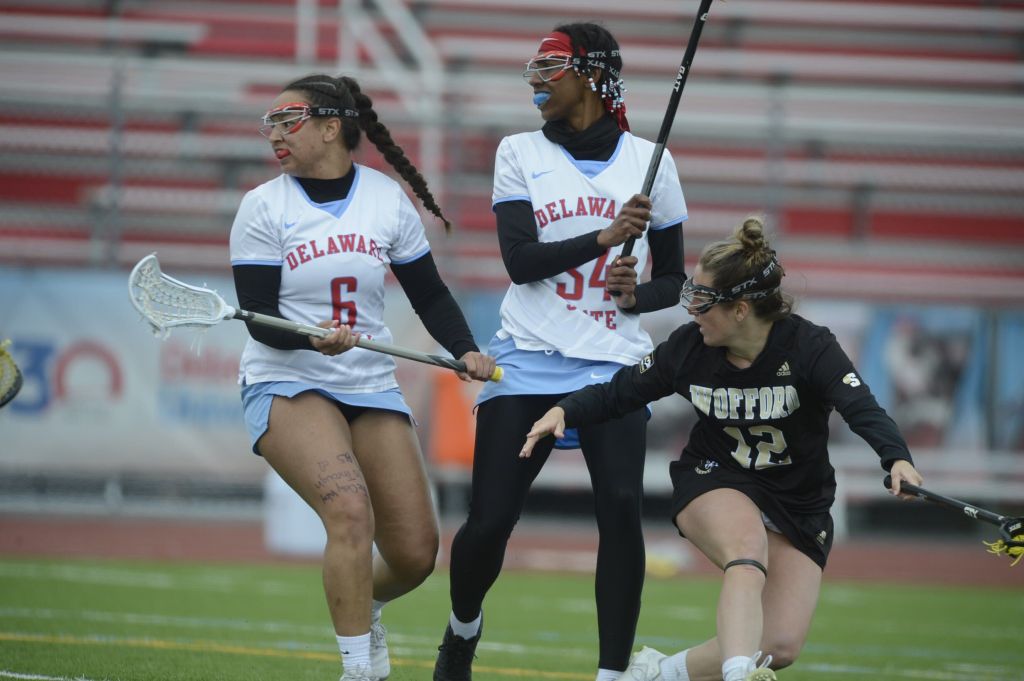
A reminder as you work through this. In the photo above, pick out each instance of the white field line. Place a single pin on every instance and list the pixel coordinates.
(213, 580)
(954, 672)
(5, 674)
(855, 673)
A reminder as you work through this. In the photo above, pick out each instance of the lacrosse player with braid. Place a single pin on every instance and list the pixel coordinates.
(313, 245)
(565, 201)
(753, 487)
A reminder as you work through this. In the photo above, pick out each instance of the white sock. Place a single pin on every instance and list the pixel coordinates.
(355, 650)
(673, 668)
(466, 630)
(737, 668)
(375, 611)
(607, 675)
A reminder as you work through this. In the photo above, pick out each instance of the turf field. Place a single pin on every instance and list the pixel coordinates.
(89, 620)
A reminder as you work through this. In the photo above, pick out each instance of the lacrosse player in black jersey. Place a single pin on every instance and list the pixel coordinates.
(753, 487)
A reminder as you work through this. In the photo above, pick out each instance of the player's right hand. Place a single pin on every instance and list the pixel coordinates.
(342, 338)
(629, 223)
(479, 367)
(553, 422)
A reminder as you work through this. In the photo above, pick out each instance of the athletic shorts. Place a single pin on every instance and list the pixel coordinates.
(257, 398)
(810, 533)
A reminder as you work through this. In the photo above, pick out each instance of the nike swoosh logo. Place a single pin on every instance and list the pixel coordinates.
(289, 225)
(543, 172)
(598, 376)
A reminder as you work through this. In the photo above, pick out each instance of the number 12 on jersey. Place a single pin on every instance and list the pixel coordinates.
(767, 451)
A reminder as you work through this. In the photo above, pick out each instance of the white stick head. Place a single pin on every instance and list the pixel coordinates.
(165, 302)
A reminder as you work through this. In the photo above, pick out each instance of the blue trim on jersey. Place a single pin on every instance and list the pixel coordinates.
(272, 263)
(543, 372)
(257, 398)
(415, 257)
(670, 223)
(335, 208)
(594, 168)
(512, 198)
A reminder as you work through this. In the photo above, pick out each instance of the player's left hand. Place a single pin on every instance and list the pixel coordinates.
(552, 423)
(622, 278)
(342, 338)
(479, 367)
(904, 471)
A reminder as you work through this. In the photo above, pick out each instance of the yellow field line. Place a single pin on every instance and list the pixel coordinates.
(265, 652)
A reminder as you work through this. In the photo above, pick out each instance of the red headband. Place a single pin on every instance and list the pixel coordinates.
(558, 42)
(561, 42)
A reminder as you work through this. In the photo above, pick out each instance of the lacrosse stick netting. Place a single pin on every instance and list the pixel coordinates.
(166, 302)
(10, 375)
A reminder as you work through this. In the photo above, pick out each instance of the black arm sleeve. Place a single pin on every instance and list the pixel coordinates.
(258, 288)
(834, 376)
(630, 388)
(434, 304)
(667, 273)
(526, 259)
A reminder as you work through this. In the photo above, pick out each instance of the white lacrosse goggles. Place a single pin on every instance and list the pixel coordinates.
(291, 116)
(549, 66)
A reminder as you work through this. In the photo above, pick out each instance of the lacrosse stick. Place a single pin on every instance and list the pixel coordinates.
(670, 112)
(166, 302)
(1011, 529)
(10, 375)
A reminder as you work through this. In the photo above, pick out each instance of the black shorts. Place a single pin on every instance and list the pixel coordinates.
(810, 533)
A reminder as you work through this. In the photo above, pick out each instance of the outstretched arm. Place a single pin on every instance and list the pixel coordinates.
(552, 423)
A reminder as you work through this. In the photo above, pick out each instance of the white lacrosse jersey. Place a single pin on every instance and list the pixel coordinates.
(572, 313)
(333, 258)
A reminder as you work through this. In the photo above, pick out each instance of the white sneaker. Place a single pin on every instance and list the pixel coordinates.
(762, 673)
(379, 661)
(645, 666)
(359, 672)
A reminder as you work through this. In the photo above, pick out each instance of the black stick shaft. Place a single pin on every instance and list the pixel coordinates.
(673, 104)
(969, 510)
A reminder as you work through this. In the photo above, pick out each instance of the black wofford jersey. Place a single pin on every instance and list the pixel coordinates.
(770, 419)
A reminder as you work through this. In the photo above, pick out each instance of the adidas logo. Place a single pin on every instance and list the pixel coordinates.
(822, 536)
(783, 370)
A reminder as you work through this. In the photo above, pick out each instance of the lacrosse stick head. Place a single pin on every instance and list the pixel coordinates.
(1012, 542)
(164, 302)
(10, 375)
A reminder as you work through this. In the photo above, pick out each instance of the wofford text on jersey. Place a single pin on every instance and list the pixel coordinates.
(340, 243)
(750, 404)
(585, 205)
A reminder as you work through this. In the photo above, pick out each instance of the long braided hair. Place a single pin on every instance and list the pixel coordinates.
(344, 92)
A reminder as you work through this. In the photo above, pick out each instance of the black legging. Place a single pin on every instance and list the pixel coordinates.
(614, 453)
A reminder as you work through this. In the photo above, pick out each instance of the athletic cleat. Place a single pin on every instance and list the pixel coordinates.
(762, 673)
(359, 672)
(380, 663)
(455, 656)
(645, 666)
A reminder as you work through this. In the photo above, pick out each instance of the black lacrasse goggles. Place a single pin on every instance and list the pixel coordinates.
(700, 299)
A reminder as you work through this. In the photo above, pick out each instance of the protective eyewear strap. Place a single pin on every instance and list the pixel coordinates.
(304, 109)
(740, 288)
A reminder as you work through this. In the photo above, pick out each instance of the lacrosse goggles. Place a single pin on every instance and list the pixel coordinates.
(550, 66)
(291, 116)
(698, 299)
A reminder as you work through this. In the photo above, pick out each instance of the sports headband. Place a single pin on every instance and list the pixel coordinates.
(612, 88)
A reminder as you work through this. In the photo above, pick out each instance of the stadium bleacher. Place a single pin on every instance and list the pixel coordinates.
(858, 128)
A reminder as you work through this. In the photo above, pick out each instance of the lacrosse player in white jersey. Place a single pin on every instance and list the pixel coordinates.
(565, 201)
(312, 246)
